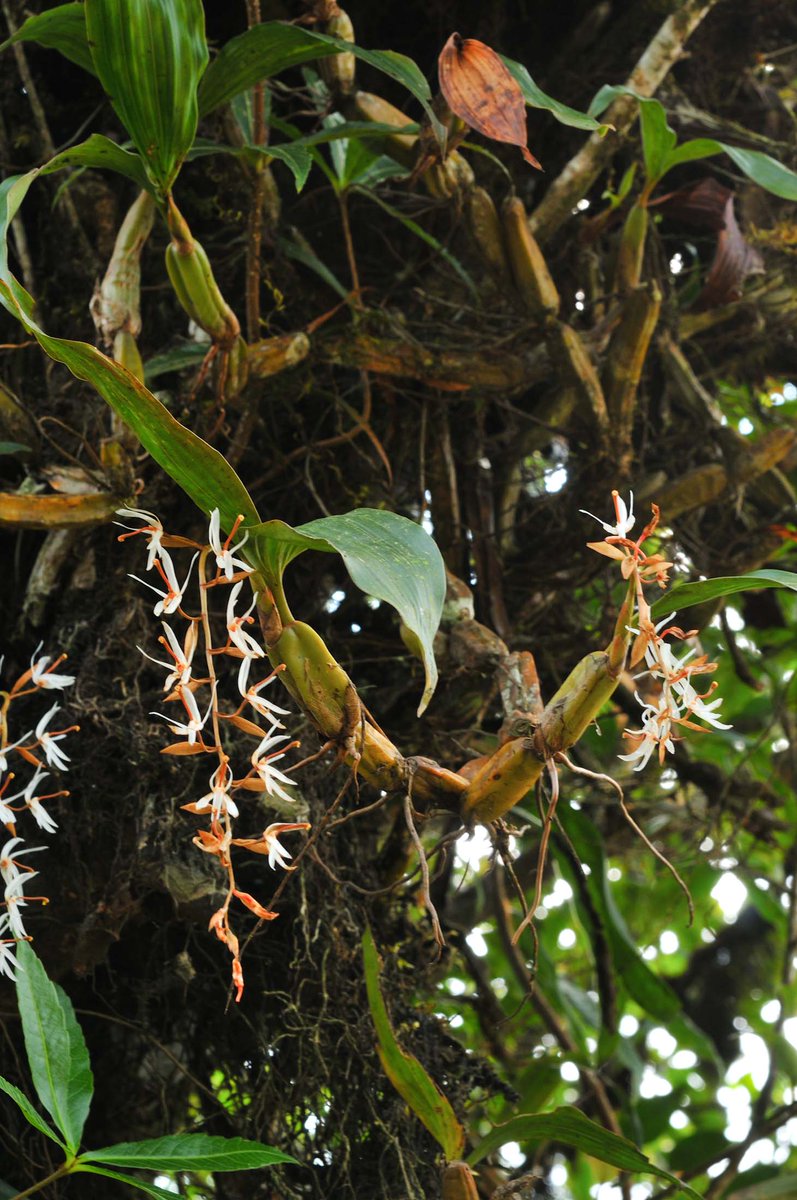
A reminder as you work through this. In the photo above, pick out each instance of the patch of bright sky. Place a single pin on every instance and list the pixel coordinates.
(730, 894)
(512, 1157)
(473, 848)
(167, 1183)
(555, 478)
(566, 939)
(628, 1026)
(475, 940)
(738, 1112)
(668, 942)
(662, 1042)
(746, 426)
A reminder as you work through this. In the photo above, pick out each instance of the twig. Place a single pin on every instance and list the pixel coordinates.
(543, 854)
(584, 168)
(636, 828)
(424, 865)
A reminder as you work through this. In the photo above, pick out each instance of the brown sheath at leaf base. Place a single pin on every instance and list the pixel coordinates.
(481, 91)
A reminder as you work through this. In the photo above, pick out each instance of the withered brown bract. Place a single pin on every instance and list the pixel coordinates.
(480, 89)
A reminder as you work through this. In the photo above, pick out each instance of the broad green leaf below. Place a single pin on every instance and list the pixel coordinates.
(408, 1076)
(571, 1126)
(387, 556)
(150, 56)
(28, 1111)
(685, 595)
(56, 1048)
(189, 1152)
(143, 1185)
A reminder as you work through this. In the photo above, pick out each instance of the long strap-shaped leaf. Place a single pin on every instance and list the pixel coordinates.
(408, 1076)
(150, 56)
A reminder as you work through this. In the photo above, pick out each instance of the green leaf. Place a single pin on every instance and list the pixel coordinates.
(14, 448)
(63, 29)
(781, 1187)
(569, 1125)
(387, 556)
(272, 46)
(661, 153)
(203, 473)
(535, 97)
(658, 139)
(176, 358)
(650, 992)
(101, 153)
(408, 1076)
(28, 1111)
(56, 1049)
(295, 155)
(151, 1189)
(685, 595)
(189, 1152)
(767, 172)
(150, 56)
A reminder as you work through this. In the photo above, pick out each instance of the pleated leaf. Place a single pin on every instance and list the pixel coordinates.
(271, 47)
(150, 56)
(62, 29)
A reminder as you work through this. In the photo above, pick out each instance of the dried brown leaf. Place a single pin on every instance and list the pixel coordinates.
(480, 90)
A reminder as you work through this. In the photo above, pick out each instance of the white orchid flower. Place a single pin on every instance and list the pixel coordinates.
(237, 634)
(151, 525)
(224, 552)
(44, 677)
(625, 518)
(172, 598)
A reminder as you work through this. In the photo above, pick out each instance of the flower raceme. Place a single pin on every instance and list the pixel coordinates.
(33, 749)
(205, 726)
(675, 702)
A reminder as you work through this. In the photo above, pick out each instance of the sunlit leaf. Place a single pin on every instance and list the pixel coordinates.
(685, 595)
(653, 994)
(56, 1048)
(408, 1076)
(150, 56)
(386, 555)
(189, 1152)
(571, 1126)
